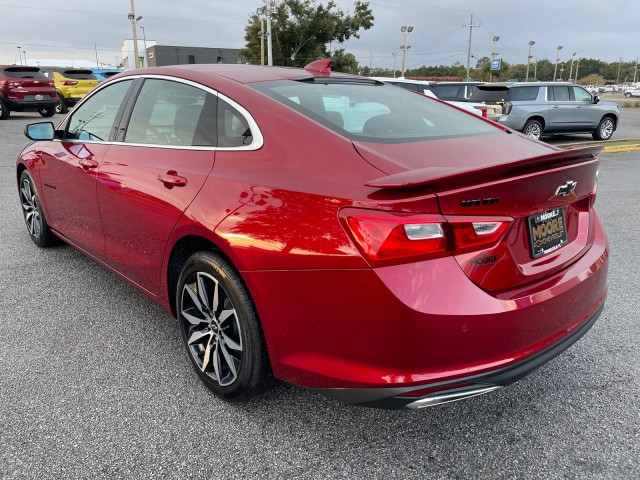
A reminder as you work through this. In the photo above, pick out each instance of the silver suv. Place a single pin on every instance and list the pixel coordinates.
(541, 108)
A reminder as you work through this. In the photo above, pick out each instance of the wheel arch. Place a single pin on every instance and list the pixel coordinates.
(537, 118)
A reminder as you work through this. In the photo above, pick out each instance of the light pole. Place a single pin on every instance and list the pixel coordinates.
(405, 30)
(618, 78)
(571, 69)
(262, 34)
(144, 37)
(20, 54)
(132, 17)
(270, 10)
(395, 56)
(24, 52)
(531, 44)
(555, 70)
(577, 65)
(471, 27)
(635, 71)
(535, 69)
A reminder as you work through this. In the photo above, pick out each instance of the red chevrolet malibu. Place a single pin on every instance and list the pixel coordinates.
(328, 230)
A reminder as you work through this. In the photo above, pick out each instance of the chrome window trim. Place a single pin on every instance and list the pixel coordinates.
(256, 144)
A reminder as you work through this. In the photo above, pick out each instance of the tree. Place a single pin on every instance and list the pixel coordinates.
(344, 62)
(302, 29)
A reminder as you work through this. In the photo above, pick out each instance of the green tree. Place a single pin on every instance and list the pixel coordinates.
(344, 62)
(302, 29)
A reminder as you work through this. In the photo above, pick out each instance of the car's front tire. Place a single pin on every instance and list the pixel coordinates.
(4, 111)
(34, 218)
(47, 112)
(220, 328)
(533, 129)
(628, 95)
(605, 129)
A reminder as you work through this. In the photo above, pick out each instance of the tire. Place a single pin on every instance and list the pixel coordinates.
(220, 329)
(533, 129)
(4, 111)
(628, 95)
(61, 107)
(47, 112)
(605, 129)
(34, 218)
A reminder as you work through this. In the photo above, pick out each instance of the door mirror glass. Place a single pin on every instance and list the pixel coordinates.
(40, 131)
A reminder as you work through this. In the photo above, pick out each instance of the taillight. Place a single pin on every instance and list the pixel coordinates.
(482, 109)
(69, 83)
(472, 233)
(594, 192)
(506, 108)
(388, 238)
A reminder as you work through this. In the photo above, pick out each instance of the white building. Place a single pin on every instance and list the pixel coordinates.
(127, 53)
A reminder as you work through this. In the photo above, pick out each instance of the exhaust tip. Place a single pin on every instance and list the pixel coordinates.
(451, 396)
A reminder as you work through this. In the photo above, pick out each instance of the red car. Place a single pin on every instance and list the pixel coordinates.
(26, 88)
(327, 230)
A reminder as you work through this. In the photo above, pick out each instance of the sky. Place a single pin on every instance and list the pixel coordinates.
(76, 29)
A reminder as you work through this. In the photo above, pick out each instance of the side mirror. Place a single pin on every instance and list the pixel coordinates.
(40, 131)
(596, 98)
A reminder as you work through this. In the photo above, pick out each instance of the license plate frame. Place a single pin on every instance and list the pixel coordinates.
(39, 97)
(547, 231)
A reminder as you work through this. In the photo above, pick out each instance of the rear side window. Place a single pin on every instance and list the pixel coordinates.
(450, 92)
(24, 73)
(233, 128)
(518, 94)
(172, 113)
(559, 94)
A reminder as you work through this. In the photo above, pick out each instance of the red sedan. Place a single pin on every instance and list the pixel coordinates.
(327, 230)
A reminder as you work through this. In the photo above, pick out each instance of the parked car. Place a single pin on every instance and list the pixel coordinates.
(547, 108)
(325, 229)
(24, 88)
(430, 90)
(632, 92)
(103, 75)
(72, 84)
(455, 91)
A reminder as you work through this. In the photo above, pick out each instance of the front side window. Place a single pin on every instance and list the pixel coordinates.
(172, 113)
(372, 112)
(581, 95)
(94, 118)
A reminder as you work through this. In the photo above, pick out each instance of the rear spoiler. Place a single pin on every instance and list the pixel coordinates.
(459, 176)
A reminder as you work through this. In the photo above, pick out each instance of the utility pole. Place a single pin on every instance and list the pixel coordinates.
(471, 27)
(619, 65)
(132, 17)
(95, 47)
(260, 13)
(405, 30)
(635, 71)
(20, 54)
(531, 44)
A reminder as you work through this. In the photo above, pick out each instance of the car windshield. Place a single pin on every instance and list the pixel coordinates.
(22, 72)
(374, 112)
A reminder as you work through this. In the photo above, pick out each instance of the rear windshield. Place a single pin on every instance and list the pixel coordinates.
(16, 72)
(79, 74)
(374, 112)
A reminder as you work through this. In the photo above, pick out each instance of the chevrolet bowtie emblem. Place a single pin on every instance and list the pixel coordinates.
(566, 189)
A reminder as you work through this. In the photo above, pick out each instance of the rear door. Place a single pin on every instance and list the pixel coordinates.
(147, 180)
(562, 107)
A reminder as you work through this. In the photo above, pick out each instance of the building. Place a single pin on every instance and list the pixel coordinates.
(127, 53)
(161, 55)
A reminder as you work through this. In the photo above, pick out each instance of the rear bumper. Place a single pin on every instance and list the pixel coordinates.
(443, 392)
(19, 105)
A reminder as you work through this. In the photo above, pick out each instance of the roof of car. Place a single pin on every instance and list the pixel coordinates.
(238, 72)
(524, 84)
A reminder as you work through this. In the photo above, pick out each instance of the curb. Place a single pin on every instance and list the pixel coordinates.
(608, 147)
(622, 148)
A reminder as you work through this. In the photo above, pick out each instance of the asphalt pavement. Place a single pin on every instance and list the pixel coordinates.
(94, 383)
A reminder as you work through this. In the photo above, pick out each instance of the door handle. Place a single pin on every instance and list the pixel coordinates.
(88, 163)
(555, 106)
(172, 179)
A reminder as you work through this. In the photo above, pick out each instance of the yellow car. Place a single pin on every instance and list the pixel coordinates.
(72, 84)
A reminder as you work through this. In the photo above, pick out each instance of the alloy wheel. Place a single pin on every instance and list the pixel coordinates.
(31, 210)
(214, 337)
(606, 129)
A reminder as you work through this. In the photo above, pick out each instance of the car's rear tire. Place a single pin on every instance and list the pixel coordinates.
(628, 95)
(4, 111)
(220, 328)
(47, 112)
(605, 129)
(533, 129)
(34, 218)
(61, 107)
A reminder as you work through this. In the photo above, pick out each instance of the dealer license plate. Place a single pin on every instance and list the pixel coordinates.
(547, 232)
(39, 97)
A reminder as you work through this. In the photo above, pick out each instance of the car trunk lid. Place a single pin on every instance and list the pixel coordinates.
(541, 202)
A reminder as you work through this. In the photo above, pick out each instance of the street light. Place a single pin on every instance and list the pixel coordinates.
(395, 56)
(555, 70)
(24, 52)
(571, 69)
(20, 54)
(531, 44)
(144, 37)
(260, 13)
(405, 30)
